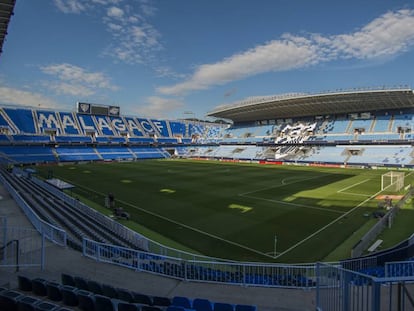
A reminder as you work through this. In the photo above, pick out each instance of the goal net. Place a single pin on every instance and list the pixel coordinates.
(392, 181)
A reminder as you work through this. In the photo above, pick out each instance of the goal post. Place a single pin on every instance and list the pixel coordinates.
(392, 181)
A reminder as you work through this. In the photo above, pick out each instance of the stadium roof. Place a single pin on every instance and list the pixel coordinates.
(6, 11)
(303, 105)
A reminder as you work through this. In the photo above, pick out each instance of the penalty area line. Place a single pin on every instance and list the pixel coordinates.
(356, 194)
(353, 185)
(282, 184)
(328, 225)
(295, 204)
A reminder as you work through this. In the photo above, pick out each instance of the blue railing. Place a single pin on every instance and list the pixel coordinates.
(239, 273)
(399, 269)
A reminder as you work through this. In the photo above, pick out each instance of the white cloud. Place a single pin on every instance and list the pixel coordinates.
(115, 12)
(78, 76)
(388, 35)
(70, 6)
(159, 107)
(114, 27)
(106, 2)
(276, 55)
(26, 98)
(76, 81)
(148, 9)
(165, 71)
(63, 88)
(78, 6)
(134, 39)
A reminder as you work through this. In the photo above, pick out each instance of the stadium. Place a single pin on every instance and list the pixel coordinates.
(293, 202)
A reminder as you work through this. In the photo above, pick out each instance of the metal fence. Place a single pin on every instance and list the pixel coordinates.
(400, 252)
(345, 290)
(53, 233)
(399, 269)
(372, 234)
(257, 274)
(21, 247)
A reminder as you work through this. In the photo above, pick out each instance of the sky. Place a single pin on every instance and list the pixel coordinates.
(182, 58)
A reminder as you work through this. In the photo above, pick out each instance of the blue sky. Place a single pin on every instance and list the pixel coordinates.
(181, 58)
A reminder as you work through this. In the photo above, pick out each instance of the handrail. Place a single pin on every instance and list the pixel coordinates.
(17, 250)
(53, 233)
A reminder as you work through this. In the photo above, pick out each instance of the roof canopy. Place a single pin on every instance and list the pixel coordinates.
(6, 11)
(279, 107)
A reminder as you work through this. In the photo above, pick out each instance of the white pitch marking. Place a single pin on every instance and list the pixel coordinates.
(356, 194)
(185, 226)
(282, 184)
(295, 204)
(353, 185)
(328, 225)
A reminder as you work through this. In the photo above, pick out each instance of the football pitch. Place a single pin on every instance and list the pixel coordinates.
(243, 212)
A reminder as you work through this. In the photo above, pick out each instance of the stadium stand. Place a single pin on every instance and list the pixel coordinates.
(69, 216)
(65, 136)
(378, 134)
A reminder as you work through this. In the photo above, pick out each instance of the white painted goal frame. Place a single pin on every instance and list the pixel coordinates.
(392, 181)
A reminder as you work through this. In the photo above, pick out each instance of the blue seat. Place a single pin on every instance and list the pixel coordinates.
(8, 300)
(53, 290)
(180, 301)
(39, 287)
(125, 295)
(80, 283)
(86, 300)
(26, 303)
(126, 306)
(175, 308)
(161, 301)
(67, 279)
(200, 304)
(24, 283)
(45, 306)
(150, 308)
(109, 290)
(95, 287)
(69, 296)
(104, 303)
(221, 306)
(142, 299)
(245, 308)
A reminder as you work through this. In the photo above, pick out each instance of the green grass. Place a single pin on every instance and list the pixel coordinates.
(235, 210)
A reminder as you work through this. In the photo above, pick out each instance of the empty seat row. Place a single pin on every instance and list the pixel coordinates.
(200, 304)
(113, 292)
(11, 300)
(90, 295)
(151, 303)
(72, 296)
